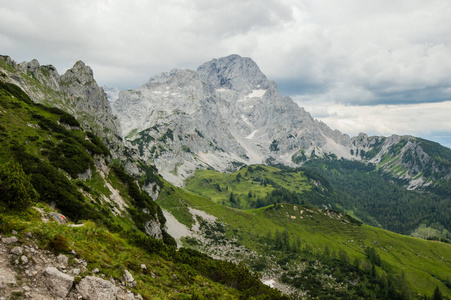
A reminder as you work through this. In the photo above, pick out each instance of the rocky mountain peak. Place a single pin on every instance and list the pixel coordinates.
(75, 91)
(81, 68)
(225, 114)
(88, 97)
(80, 73)
(233, 72)
(177, 76)
(30, 66)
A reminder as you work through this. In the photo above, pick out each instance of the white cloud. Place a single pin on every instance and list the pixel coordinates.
(427, 120)
(350, 52)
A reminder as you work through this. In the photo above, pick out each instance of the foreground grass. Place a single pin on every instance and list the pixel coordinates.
(112, 253)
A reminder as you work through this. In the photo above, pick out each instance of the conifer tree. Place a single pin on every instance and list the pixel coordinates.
(437, 294)
(16, 190)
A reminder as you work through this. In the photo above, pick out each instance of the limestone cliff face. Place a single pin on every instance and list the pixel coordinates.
(227, 113)
(221, 116)
(76, 92)
(224, 114)
(90, 102)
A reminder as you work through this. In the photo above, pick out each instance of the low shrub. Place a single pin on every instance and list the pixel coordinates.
(58, 244)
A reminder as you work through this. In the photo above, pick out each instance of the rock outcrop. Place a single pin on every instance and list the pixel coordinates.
(76, 92)
(95, 288)
(58, 283)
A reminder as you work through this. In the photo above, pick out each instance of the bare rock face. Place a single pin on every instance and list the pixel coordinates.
(58, 283)
(223, 115)
(95, 288)
(79, 83)
(90, 99)
(153, 229)
(233, 72)
(46, 75)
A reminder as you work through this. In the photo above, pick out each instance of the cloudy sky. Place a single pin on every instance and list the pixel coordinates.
(375, 66)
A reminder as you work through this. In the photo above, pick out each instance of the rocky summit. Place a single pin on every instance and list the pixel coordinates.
(75, 92)
(227, 114)
(223, 115)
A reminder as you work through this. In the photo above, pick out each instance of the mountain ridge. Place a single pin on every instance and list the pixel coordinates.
(238, 116)
(48, 138)
(75, 92)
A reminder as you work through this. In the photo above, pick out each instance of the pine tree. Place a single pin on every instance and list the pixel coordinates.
(269, 237)
(232, 198)
(326, 254)
(437, 294)
(278, 244)
(16, 190)
(404, 291)
(285, 240)
(357, 263)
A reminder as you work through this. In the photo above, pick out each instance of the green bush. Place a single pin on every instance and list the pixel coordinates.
(16, 92)
(69, 120)
(71, 157)
(16, 190)
(59, 244)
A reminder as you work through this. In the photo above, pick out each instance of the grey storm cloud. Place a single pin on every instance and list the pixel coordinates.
(348, 52)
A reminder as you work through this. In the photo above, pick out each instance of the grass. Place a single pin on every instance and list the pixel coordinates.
(111, 253)
(247, 184)
(426, 264)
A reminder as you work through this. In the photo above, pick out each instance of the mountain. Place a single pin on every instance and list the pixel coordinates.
(227, 114)
(75, 92)
(74, 224)
(112, 93)
(53, 165)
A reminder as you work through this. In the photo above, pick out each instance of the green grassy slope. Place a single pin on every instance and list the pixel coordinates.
(56, 153)
(72, 172)
(250, 186)
(360, 190)
(426, 264)
(112, 253)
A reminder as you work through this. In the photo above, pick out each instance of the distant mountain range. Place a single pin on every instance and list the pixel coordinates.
(227, 114)
(223, 115)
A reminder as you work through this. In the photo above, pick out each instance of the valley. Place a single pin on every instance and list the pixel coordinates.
(220, 186)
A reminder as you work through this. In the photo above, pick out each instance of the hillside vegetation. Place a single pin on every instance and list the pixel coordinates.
(359, 189)
(50, 162)
(318, 252)
(381, 200)
(257, 186)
